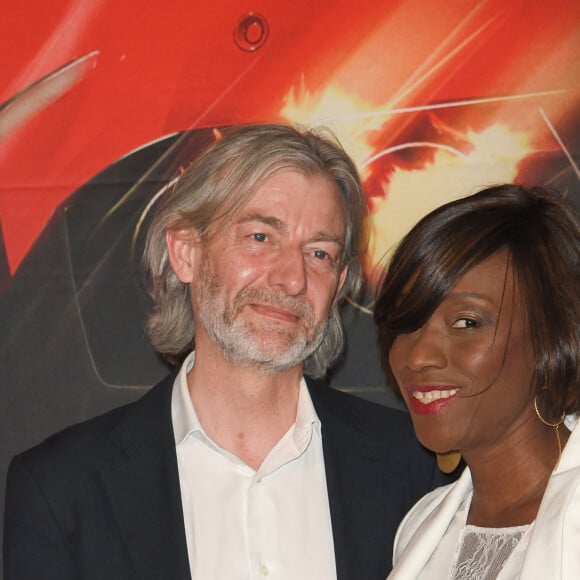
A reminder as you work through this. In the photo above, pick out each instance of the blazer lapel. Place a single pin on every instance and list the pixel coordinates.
(556, 526)
(348, 460)
(144, 489)
(342, 535)
(434, 519)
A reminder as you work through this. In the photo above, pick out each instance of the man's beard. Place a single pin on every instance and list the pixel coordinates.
(279, 348)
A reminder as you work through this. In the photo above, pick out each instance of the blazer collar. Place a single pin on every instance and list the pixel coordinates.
(422, 541)
(553, 516)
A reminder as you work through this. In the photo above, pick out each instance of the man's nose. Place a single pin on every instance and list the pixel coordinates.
(288, 271)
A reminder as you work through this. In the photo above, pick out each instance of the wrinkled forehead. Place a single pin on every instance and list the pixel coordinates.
(281, 189)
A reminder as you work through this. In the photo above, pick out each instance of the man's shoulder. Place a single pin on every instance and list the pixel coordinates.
(96, 440)
(377, 442)
(353, 421)
(354, 409)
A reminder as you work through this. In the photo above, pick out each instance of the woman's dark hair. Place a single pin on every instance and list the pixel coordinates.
(542, 236)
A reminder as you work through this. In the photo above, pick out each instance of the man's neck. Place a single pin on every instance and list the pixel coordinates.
(242, 409)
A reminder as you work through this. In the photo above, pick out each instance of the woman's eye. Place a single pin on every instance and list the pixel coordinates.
(321, 254)
(466, 323)
(259, 237)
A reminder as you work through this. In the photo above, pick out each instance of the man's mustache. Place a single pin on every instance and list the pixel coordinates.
(297, 306)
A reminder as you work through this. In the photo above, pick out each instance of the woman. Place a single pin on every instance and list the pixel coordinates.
(478, 324)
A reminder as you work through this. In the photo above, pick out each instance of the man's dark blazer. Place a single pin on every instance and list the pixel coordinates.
(101, 500)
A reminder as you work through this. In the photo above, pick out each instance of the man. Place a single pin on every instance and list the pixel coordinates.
(237, 466)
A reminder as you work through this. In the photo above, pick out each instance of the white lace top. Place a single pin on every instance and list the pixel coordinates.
(482, 552)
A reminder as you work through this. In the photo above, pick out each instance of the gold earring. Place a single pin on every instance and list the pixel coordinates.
(555, 426)
(449, 461)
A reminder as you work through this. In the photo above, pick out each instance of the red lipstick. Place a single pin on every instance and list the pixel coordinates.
(430, 400)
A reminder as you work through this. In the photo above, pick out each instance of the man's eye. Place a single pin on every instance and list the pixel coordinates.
(321, 254)
(259, 237)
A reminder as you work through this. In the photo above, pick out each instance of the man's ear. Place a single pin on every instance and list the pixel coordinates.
(181, 250)
(341, 281)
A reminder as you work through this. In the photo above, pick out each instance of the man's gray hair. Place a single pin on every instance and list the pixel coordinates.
(218, 184)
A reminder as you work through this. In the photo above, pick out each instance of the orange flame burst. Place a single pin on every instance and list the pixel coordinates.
(410, 194)
(338, 111)
(489, 156)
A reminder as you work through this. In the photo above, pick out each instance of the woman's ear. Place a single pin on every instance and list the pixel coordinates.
(181, 249)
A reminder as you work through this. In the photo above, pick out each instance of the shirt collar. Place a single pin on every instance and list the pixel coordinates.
(183, 414)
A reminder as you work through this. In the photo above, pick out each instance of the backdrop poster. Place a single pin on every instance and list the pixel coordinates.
(102, 103)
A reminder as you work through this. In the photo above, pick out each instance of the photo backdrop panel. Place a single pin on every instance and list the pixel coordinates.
(103, 103)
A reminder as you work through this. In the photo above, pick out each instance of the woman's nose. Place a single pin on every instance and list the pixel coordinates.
(425, 349)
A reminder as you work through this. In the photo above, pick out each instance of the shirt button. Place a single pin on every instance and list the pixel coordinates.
(264, 570)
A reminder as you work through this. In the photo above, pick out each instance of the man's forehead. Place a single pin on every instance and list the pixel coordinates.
(277, 202)
(269, 216)
(285, 187)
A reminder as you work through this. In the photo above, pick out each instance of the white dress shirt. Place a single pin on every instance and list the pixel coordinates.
(242, 524)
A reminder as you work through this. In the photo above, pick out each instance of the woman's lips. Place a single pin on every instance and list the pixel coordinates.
(431, 400)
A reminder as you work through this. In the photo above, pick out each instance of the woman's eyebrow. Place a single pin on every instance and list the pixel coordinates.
(473, 294)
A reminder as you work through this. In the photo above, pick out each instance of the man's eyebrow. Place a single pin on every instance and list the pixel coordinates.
(326, 237)
(279, 225)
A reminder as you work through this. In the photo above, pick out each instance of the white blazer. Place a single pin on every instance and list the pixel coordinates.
(428, 537)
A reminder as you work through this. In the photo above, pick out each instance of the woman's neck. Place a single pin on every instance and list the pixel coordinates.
(509, 479)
